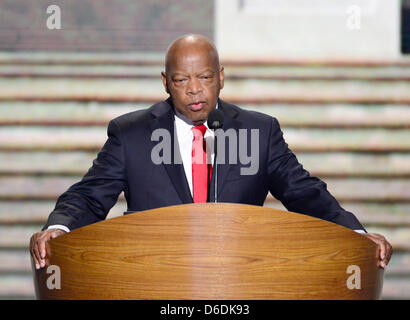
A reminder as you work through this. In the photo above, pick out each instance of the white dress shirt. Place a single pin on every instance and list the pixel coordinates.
(185, 137)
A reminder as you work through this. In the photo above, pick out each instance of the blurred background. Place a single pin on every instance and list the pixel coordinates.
(336, 74)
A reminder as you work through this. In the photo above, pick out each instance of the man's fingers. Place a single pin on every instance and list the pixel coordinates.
(33, 254)
(56, 233)
(382, 252)
(42, 244)
(382, 255)
(34, 259)
(384, 249)
(389, 251)
(379, 240)
(38, 245)
(37, 255)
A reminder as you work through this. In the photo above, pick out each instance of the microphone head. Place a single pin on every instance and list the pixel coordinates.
(215, 119)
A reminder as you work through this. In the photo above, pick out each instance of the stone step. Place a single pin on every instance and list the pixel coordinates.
(290, 115)
(16, 287)
(157, 58)
(338, 115)
(82, 71)
(368, 190)
(350, 189)
(264, 72)
(18, 236)
(369, 214)
(82, 58)
(254, 91)
(324, 72)
(82, 89)
(392, 215)
(15, 261)
(396, 288)
(236, 91)
(332, 164)
(36, 212)
(299, 139)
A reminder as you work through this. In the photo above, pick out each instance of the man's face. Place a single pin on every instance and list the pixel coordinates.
(193, 82)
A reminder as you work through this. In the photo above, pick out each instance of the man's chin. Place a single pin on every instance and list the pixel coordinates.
(198, 119)
(198, 122)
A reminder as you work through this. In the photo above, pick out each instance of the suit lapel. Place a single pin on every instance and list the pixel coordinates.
(164, 119)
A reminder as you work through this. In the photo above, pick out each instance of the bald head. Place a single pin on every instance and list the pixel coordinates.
(193, 77)
(193, 44)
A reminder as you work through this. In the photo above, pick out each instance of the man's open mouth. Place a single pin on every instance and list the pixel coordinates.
(197, 105)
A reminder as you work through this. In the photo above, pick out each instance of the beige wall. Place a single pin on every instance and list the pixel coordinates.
(315, 29)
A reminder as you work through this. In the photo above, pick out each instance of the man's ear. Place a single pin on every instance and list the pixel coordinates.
(164, 81)
(221, 77)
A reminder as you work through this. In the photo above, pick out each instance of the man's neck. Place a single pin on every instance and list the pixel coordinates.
(183, 117)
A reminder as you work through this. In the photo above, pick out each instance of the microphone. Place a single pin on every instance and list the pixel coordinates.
(215, 121)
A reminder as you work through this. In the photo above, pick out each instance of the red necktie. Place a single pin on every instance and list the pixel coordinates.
(201, 171)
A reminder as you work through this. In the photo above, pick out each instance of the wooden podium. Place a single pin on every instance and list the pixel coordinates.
(211, 251)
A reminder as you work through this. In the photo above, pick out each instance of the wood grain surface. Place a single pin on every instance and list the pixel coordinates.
(211, 251)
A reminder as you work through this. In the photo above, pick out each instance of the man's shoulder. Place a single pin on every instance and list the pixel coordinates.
(140, 118)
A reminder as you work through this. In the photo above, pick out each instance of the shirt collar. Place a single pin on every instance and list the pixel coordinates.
(185, 124)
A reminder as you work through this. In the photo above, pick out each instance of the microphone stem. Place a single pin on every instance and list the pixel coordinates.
(216, 169)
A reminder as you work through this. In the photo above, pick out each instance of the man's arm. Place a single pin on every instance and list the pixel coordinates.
(89, 200)
(297, 189)
(302, 193)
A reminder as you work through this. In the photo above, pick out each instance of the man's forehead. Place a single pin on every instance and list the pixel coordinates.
(192, 53)
(193, 58)
(177, 72)
(191, 42)
(191, 50)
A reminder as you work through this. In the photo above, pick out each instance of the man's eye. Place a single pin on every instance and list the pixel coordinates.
(206, 77)
(179, 80)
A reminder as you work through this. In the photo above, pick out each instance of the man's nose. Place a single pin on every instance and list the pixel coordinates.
(194, 86)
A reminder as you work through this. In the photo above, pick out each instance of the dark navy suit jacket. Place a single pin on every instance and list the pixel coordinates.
(124, 164)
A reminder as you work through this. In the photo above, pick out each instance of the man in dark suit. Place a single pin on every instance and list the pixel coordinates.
(153, 177)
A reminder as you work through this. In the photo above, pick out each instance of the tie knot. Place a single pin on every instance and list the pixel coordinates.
(199, 131)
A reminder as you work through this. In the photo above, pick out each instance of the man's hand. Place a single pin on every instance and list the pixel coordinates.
(385, 248)
(38, 245)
